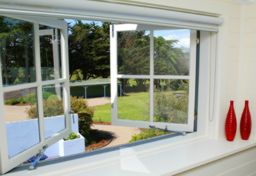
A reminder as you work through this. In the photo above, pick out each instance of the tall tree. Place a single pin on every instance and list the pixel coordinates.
(89, 49)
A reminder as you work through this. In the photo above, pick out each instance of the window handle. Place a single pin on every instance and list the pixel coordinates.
(37, 158)
(183, 133)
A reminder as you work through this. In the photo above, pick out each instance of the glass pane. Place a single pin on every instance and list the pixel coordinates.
(50, 55)
(133, 52)
(171, 101)
(54, 118)
(21, 120)
(133, 100)
(171, 52)
(16, 51)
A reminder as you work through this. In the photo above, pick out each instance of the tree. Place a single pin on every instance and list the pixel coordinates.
(89, 49)
(16, 44)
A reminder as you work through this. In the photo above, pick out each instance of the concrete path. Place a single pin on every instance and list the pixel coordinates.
(122, 134)
(97, 101)
(15, 113)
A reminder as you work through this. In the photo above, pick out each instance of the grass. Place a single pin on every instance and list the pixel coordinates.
(148, 133)
(133, 106)
(102, 113)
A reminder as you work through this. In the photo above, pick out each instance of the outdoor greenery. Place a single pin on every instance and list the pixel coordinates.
(16, 44)
(72, 136)
(148, 133)
(89, 50)
(54, 106)
(85, 114)
(28, 99)
(132, 106)
(89, 56)
(169, 106)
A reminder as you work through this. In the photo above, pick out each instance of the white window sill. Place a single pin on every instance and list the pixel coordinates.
(167, 156)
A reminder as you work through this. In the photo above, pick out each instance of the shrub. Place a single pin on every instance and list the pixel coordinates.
(85, 114)
(148, 133)
(170, 107)
(72, 136)
(11, 102)
(53, 106)
(27, 99)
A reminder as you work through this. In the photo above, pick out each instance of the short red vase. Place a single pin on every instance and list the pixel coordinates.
(246, 122)
(231, 124)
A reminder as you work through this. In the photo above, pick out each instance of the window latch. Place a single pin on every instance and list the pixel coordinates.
(37, 158)
(183, 133)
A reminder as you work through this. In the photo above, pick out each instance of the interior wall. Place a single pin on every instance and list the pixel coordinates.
(247, 63)
(239, 164)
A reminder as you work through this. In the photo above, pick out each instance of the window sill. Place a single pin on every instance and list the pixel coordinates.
(167, 156)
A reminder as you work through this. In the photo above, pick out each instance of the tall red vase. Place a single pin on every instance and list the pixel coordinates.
(246, 122)
(231, 124)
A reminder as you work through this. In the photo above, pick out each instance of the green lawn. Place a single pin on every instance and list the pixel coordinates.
(133, 106)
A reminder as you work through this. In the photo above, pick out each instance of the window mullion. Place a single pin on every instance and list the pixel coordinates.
(192, 77)
(65, 73)
(4, 147)
(151, 87)
(114, 73)
(39, 82)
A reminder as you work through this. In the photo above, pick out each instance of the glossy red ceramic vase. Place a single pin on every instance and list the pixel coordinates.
(246, 122)
(231, 124)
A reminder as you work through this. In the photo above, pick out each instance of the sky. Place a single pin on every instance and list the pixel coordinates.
(182, 35)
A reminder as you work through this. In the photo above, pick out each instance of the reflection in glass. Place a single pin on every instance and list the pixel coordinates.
(133, 104)
(54, 118)
(21, 120)
(133, 52)
(171, 52)
(16, 51)
(50, 55)
(171, 101)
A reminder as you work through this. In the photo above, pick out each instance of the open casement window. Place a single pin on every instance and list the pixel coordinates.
(34, 86)
(151, 65)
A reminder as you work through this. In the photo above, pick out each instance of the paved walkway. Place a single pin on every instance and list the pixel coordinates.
(97, 101)
(15, 113)
(122, 134)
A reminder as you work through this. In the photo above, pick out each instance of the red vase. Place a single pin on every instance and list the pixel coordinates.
(246, 122)
(231, 124)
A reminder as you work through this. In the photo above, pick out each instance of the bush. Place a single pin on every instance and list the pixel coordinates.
(53, 107)
(85, 114)
(170, 107)
(148, 133)
(27, 99)
(72, 136)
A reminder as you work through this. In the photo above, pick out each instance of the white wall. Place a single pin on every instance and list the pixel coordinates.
(22, 135)
(247, 64)
(240, 164)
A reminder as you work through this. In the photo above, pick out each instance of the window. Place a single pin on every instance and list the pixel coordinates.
(32, 71)
(43, 69)
(159, 72)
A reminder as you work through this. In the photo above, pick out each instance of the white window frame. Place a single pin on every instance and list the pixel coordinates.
(7, 163)
(189, 126)
(143, 15)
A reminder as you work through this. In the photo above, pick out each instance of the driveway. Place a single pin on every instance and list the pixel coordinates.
(15, 113)
(122, 134)
(97, 101)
